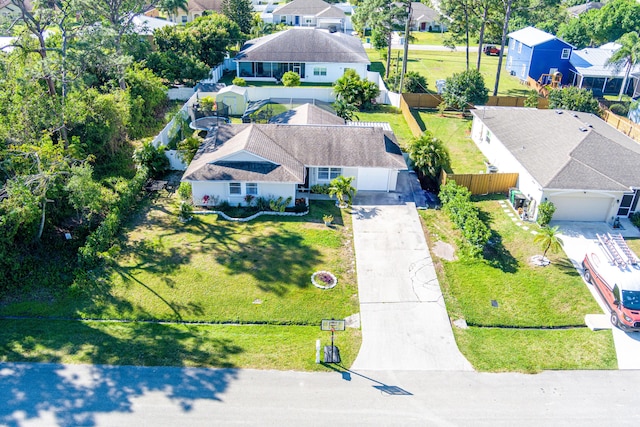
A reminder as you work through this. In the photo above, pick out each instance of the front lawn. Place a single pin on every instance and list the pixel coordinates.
(208, 270)
(533, 298)
(454, 131)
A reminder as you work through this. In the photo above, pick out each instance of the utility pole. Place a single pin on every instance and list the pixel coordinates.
(406, 46)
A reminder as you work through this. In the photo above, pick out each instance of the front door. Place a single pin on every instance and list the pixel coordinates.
(423, 26)
(297, 20)
(628, 204)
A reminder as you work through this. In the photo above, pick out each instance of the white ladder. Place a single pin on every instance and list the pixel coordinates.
(611, 250)
(631, 257)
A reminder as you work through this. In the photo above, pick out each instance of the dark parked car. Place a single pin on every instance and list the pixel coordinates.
(491, 50)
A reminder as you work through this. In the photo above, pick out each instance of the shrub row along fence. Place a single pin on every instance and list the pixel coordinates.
(483, 183)
(430, 100)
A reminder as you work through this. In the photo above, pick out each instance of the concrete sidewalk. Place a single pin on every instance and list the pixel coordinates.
(404, 321)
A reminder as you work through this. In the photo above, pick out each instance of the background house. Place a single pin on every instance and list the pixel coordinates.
(310, 13)
(533, 52)
(275, 160)
(585, 167)
(195, 9)
(316, 55)
(9, 11)
(424, 18)
(590, 69)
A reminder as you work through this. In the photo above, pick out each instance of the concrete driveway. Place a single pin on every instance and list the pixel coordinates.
(577, 236)
(404, 321)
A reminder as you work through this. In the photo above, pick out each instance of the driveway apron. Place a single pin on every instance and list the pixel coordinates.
(404, 321)
(577, 237)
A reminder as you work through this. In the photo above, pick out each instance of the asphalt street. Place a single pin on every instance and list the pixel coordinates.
(82, 395)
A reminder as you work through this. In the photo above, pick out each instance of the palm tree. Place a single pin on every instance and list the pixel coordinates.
(627, 56)
(171, 7)
(548, 239)
(345, 110)
(341, 187)
(429, 154)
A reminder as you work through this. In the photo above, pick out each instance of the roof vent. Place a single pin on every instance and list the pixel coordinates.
(575, 115)
(589, 125)
(558, 111)
(583, 129)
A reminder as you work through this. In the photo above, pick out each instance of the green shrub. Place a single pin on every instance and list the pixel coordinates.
(239, 81)
(545, 213)
(151, 158)
(619, 109)
(184, 191)
(208, 104)
(262, 204)
(186, 211)
(532, 99)
(279, 204)
(319, 189)
(456, 202)
(635, 219)
(104, 236)
(291, 79)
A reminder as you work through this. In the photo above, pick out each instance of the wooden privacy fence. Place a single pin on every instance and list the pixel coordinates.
(482, 183)
(411, 121)
(624, 125)
(429, 100)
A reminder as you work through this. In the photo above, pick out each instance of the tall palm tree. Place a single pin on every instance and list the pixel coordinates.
(549, 239)
(171, 7)
(627, 56)
(341, 188)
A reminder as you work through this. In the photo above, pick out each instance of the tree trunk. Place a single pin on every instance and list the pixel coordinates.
(406, 47)
(386, 71)
(505, 28)
(485, 11)
(466, 29)
(625, 80)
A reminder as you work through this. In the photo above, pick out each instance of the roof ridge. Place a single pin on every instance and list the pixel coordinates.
(257, 129)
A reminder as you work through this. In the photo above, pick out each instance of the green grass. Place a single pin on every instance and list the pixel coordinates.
(154, 344)
(454, 131)
(425, 37)
(508, 350)
(208, 270)
(436, 65)
(393, 116)
(527, 296)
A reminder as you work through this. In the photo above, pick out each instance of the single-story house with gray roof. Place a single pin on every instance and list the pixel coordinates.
(316, 55)
(310, 13)
(588, 169)
(276, 160)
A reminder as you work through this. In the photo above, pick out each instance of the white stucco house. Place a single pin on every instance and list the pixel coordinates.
(280, 160)
(310, 13)
(588, 169)
(317, 55)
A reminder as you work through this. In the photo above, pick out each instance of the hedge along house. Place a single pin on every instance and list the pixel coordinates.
(534, 53)
(316, 55)
(585, 167)
(276, 160)
(310, 13)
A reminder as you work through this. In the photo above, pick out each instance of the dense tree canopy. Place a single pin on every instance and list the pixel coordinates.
(465, 89)
(573, 98)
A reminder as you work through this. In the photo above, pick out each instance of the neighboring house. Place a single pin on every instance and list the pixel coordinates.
(575, 11)
(316, 55)
(146, 25)
(275, 160)
(424, 18)
(195, 9)
(533, 53)
(307, 114)
(310, 13)
(585, 167)
(591, 70)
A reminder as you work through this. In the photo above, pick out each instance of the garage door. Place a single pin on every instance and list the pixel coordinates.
(587, 208)
(373, 179)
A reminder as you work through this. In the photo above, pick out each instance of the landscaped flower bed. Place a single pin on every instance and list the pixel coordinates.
(323, 280)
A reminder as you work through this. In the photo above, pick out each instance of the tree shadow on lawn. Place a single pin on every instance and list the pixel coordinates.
(76, 395)
(566, 266)
(276, 260)
(498, 256)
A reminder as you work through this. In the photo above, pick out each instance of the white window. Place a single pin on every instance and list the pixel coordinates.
(487, 137)
(327, 174)
(524, 70)
(519, 47)
(320, 71)
(235, 188)
(184, 19)
(307, 21)
(252, 188)
(513, 44)
(566, 53)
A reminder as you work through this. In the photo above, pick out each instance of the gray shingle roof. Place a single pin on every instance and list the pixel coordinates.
(289, 148)
(571, 150)
(307, 114)
(304, 45)
(310, 8)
